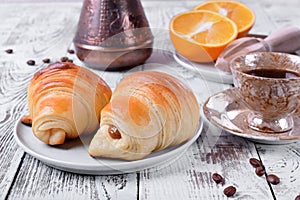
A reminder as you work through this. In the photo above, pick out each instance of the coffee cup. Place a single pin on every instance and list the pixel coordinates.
(269, 86)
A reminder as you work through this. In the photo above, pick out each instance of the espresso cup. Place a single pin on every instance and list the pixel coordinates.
(269, 86)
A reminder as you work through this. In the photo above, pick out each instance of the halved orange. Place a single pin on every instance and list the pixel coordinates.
(237, 12)
(200, 36)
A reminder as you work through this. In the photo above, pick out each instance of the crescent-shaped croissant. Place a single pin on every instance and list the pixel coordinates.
(65, 101)
(148, 111)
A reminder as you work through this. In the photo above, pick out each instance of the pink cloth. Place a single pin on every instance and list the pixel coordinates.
(286, 40)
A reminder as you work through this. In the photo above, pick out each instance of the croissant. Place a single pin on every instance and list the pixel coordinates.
(148, 111)
(65, 101)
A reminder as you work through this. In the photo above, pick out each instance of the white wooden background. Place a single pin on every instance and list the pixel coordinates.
(39, 30)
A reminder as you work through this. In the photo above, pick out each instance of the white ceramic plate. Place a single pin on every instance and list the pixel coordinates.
(73, 155)
(207, 71)
(225, 110)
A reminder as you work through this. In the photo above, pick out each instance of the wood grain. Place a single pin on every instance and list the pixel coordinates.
(46, 30)
(190, 176)
(283, 161)
(40, 31)
(37, 180)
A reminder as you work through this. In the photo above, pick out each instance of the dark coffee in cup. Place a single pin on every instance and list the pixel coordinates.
(269, 86)
(273, 73)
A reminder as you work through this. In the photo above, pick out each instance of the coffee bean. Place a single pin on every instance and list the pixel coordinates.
(70, 60)
(46, 60)
(229, 191)
(30, 62)
(297, 197)
(64, 59)
(9, 51)
(71, 51)
(26, 120)
(273, 179)
(217, 178)
(260, 171)
(255, 162)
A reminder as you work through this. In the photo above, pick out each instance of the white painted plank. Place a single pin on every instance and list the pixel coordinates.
(32, 172)
(39, 31)
(37, 181)
(178, 180)
(282, 160)
(190, 176)
(282, 13)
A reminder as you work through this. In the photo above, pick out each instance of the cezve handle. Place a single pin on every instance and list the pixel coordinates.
(284, 40)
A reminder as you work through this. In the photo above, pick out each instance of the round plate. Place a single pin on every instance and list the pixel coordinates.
(225, 110)
(207, 70)
(73, 155)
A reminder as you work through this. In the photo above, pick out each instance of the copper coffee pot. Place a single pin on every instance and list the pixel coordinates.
(113, 34)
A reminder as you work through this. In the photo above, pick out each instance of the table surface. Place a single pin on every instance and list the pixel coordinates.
(40, 30)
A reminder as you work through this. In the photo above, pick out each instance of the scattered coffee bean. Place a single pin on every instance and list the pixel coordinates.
(46, 60)
(217, 178)
(70, 60)
(229, 191)
(71, 51)
(9, 51)
(255, 162)
(273, 179)
(297, 197)
(64, 59)
(260, 171)
(30, 62)
(26, 120)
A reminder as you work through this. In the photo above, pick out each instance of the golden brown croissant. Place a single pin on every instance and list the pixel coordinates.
(148, 111)
(65, 101)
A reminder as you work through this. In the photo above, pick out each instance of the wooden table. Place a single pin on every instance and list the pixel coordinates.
(40, 30)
